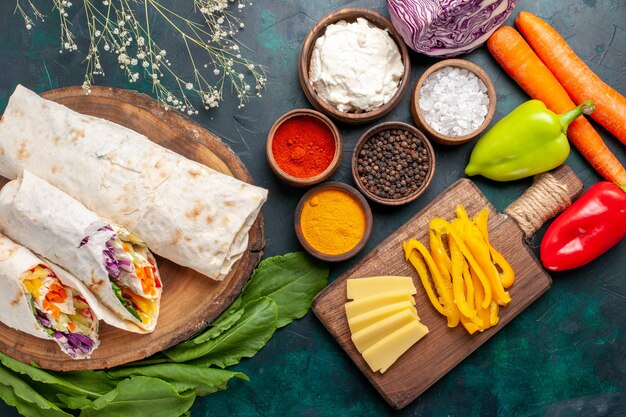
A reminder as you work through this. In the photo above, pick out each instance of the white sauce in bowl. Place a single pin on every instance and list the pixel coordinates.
(355, 67)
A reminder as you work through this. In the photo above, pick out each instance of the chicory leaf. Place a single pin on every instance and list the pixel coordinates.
(292, 281)
(90, 383)
(28, 402)
(233, 308)
(76, 402)
(140, 396)
(183, 377)
(24, 407)
(251, 332)
(219, 325)
(223, 323)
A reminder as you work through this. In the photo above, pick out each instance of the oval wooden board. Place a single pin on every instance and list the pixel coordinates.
(190, 300)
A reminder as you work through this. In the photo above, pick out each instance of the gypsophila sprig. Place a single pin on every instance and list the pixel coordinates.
(125, 28)
(28, 21)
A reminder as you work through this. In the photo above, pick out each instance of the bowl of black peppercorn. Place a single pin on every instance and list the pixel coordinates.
(393, 163)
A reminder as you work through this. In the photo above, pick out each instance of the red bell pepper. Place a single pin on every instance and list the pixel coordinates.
(588, 228)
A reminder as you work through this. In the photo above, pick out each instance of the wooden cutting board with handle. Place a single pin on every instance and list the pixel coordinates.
(443, 348)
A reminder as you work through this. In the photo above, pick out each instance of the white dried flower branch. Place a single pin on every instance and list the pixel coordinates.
(118, 27)
(28, 21)
(67, 37)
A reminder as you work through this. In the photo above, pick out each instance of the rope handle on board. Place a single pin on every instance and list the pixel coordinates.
(544, 199)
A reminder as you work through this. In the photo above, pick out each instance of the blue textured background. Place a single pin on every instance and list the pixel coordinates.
(564, 356)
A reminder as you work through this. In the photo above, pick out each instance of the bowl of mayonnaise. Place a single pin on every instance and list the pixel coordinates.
(354, 66)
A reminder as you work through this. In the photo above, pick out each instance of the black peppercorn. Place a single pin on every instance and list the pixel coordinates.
(393, 164)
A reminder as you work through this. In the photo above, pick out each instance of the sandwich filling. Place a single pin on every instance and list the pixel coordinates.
(132, 272)
(61, 312)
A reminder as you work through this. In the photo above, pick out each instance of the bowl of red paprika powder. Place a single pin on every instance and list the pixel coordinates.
(303, 147)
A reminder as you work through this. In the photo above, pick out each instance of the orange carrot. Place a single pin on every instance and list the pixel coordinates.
(56, 293)
(574, 75)
(519, 61)
(51, 308)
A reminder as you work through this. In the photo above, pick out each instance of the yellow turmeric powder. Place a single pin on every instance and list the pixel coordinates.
(332, 221)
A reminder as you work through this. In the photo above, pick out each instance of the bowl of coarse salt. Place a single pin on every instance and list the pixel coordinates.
(453, 101)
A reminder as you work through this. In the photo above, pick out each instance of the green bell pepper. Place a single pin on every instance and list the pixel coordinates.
(530, 140)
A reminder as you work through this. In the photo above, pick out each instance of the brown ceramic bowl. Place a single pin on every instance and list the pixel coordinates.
(350, 15)
(322, 176)
(368, 222)
(391, 126)
(419, 118)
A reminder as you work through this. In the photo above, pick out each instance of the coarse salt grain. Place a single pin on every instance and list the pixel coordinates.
(454, 101)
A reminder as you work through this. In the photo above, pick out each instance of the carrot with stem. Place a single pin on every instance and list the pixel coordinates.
(580, 82)
(512, 52)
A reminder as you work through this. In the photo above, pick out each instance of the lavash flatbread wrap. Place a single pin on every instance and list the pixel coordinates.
(113, 264)
(185, 211)
(43, 300)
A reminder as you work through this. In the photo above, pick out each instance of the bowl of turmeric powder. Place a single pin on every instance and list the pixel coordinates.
(333, 221)
(303, 147)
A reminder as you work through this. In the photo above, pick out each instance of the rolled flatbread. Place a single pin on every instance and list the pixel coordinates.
(185, 211)
(43, 300)
(113, 264)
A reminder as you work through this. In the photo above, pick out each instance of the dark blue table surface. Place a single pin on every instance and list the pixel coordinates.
(563, 356)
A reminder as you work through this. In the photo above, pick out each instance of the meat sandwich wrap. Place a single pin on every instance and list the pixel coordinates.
(113, 263)
(43, 300)
(185, 211)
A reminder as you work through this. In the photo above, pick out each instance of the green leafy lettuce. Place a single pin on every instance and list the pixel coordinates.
(125, 302)
(141, 396)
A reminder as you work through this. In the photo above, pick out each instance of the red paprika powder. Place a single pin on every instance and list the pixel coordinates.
(303, 146)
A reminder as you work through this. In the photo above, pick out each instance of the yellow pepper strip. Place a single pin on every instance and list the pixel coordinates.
(474, 240)
(461, 214)
(458, 285)
(470, 326)
(479, 294)
(422, 271)
(493, 313)
(443, 262)
(444, 292)
(469, 285)
(505, 271)
(453, 230)
(438, 251)
(480, 220)
(471, 301)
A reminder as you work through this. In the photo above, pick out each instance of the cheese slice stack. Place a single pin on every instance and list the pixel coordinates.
(382, 318)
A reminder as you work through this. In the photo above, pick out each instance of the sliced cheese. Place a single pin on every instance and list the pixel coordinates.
(365, 338)
(366, 287)
(365, 304)
(381, 355)
(366, 319)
